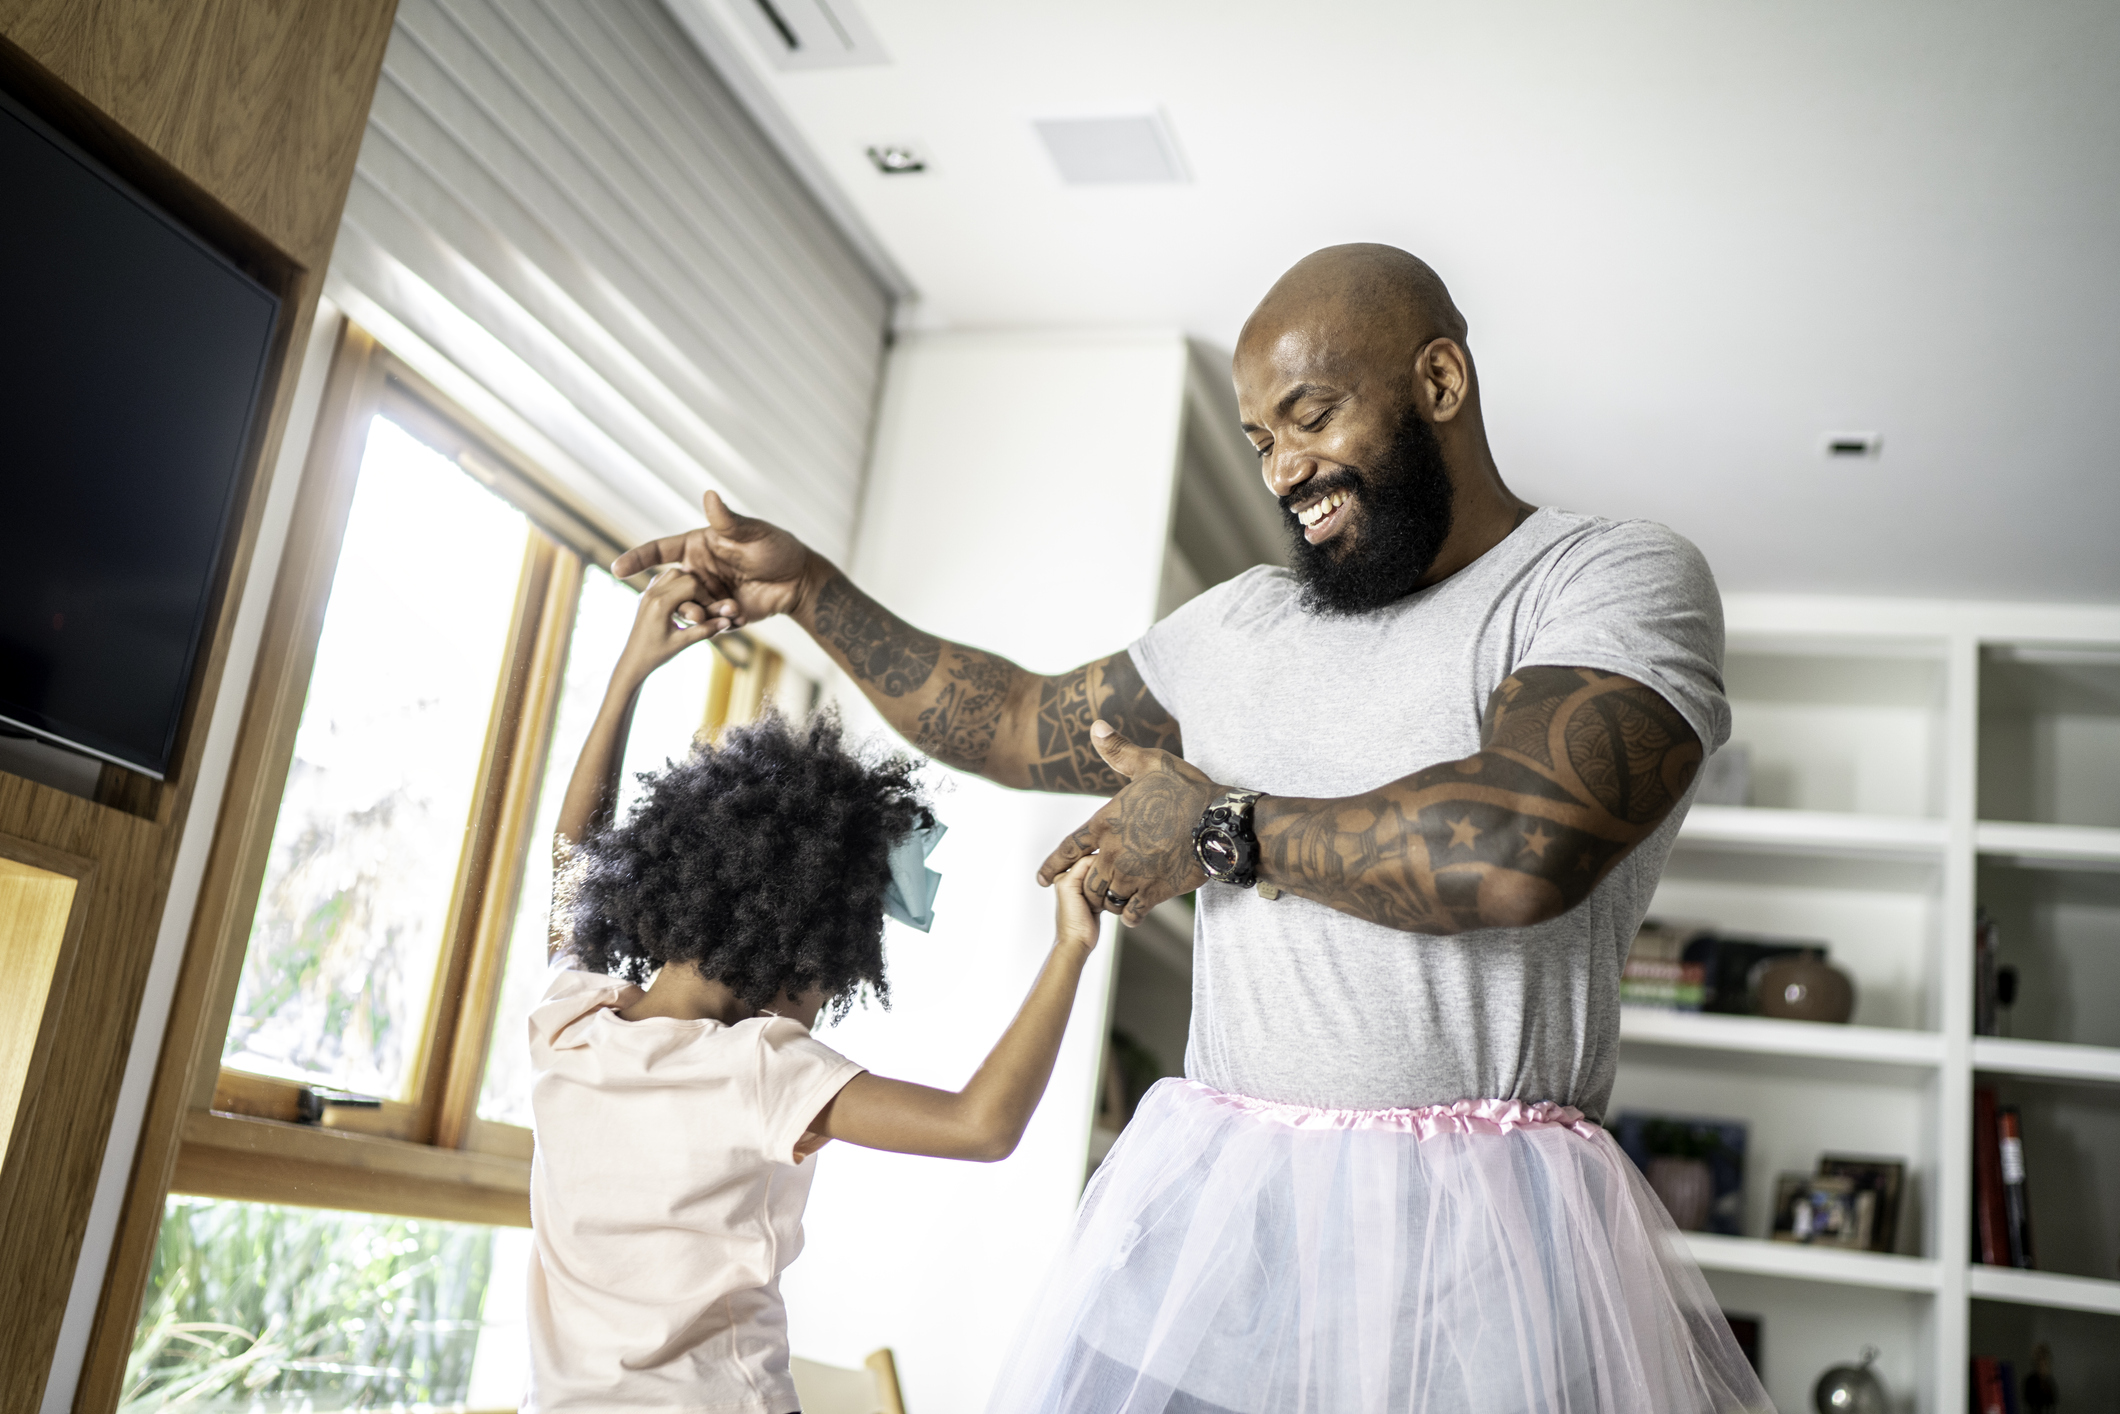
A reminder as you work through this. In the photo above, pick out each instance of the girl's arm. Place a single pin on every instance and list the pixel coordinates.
(654, 641)
(986, 1118)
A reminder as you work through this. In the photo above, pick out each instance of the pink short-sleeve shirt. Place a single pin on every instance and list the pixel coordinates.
(666, 1198)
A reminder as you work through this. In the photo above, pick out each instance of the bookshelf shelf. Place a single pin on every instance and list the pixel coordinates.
(2052, 1059)
(1766, 1036)
(1816, 832)
(2079, 845)
(2045, 1289)
(1799, 1262)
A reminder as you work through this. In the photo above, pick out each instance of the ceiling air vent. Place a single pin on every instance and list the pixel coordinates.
(812, 34)
(1105, 151)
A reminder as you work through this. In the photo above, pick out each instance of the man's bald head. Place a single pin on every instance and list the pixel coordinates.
(1356, 300)
(1354, 383)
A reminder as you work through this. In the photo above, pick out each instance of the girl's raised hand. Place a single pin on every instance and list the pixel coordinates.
(1074, 921)
(657, 636)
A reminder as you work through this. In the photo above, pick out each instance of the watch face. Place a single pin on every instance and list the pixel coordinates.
(1218, 852)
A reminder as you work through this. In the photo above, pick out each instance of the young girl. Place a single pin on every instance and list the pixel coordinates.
(673, 1123)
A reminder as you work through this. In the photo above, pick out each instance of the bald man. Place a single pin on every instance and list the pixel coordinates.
(1425, 781)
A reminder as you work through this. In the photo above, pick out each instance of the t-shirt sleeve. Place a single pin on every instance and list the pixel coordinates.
(1638, 599)
(797, 1074)
(570, 995)
(1166, 655)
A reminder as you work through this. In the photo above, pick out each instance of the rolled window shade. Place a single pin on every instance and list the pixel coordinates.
(562, 202)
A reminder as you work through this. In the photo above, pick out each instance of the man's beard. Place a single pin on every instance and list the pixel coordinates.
(1402, 517)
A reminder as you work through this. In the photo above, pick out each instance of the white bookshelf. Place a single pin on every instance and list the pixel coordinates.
(1911, 760)
(1919, 759)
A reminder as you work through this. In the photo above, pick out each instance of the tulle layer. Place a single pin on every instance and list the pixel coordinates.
(1488, 1257)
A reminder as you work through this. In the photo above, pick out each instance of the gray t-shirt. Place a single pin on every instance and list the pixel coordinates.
(1299, 1003)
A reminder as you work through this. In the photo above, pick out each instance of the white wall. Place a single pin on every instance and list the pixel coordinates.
(1019, 500)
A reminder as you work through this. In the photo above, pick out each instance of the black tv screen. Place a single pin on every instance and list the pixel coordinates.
(132, 359)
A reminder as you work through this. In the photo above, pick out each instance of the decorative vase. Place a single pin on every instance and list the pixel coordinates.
(1851, 1389)
(1806, 988)
(1686, 1189)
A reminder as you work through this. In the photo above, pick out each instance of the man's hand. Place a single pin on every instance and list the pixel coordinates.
(753, 569)
(1140, 844)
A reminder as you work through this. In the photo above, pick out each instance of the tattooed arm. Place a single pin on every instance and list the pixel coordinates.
(969, 708)
(1575, 769)
(977, 710)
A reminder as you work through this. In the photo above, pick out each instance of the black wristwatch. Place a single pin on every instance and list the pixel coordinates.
(1224, 842)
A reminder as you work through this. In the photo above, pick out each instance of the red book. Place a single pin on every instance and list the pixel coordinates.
(1987, 1387)
(1991, 1228)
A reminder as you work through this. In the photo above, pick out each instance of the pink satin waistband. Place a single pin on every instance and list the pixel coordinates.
(1461, 1117)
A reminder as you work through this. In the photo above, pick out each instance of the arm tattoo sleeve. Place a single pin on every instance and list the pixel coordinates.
(957, 704)
(1067, 705)
(959, 723)
(882, 650)
(1577, 768)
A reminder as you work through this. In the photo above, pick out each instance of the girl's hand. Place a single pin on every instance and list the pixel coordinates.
(1074, 921)
(656, 637)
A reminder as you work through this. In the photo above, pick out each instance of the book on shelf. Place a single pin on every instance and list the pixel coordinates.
(1994, 1386)
(1654, 974)
(1991, 1239)
(2016, 1212)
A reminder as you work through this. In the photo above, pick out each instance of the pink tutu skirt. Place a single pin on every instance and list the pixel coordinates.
(1487, 1257)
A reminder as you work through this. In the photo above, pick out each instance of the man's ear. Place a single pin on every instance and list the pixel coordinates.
(1442, 379)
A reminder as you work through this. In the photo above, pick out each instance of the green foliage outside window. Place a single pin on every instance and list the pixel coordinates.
(264, 1309)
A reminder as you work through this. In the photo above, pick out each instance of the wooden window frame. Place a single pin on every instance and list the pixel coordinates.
(222, 1133)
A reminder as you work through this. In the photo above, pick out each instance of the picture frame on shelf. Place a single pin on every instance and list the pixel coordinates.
(1823, 1211)
(1885, 1178)
(1695, 1166)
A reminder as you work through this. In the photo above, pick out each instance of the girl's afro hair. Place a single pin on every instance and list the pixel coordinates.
(762, 859)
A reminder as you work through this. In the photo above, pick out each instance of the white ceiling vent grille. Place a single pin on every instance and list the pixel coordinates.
(1105, 151)
(811, 34)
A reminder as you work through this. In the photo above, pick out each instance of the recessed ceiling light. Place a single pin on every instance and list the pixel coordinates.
(1102, 151)
(1854, 444)
(896, 159)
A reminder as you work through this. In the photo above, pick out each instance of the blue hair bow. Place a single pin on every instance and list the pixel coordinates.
(910, 898)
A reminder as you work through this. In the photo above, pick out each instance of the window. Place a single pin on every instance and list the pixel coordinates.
(440, 640)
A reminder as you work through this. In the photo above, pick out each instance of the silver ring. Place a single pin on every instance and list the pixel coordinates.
(682, 622)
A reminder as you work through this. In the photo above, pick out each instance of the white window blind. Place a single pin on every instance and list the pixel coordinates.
(563, 216)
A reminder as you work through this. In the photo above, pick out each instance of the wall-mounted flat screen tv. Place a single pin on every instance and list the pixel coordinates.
(132, 362)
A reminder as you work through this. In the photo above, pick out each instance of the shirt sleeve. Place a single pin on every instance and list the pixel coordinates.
(1164, 655)
(1638, 599)
(797, 1075)
(570, 995)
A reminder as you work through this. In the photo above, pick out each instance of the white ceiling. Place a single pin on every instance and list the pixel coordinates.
(1691, 238)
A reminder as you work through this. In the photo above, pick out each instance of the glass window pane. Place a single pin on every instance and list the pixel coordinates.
(671, 709)
(365, 852)
(259, 1308)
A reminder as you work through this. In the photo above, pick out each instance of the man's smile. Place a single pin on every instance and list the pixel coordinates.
(1323, 517)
